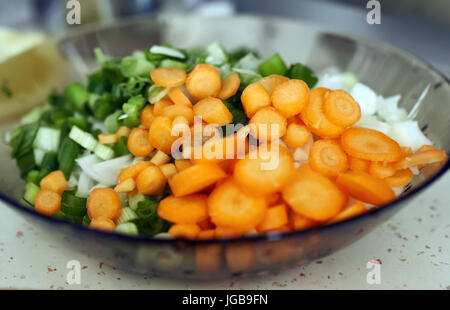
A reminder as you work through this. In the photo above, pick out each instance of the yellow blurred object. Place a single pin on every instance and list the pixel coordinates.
(30, 67)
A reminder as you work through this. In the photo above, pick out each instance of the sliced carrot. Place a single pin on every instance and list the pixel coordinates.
(382, 169)
(254, 97)
(264, 172)
(104, 138)
(240, 257)
(55, 182)
(159, 107)
(132, 171)
(213, 111)
(400, 178)
(229, 206)
(273, 198)
(184, 210)
(182, 164)
(207, 234)
(178, 97)
(365, 187)
(313, 195)
(370, 144)
(228, 232)
(300, 222)
(204, 81)
(160, 134)
(151, 181)
(341, 109)
(315, 119)
(421, 149)
(195, 178)
(138, 143)
(126, 186)
(268, 124)
(47, 202)
(421, 158)
(328, 158)
(406, 151)
(168, 77)
(230, 86)
(272, 81)
(354, 210)
(357, 164)
(102, 223)
(208, 257)
(147, 115)
(103, 202)
(296, 135)
(290, 97)
(218, 150)
(174, 110)
(275, 217)
(189, 231)
(123, 131)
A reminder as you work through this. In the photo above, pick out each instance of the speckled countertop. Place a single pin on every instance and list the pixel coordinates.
(413, 249)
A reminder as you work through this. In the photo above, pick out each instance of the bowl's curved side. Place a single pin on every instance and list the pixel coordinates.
(386, 69)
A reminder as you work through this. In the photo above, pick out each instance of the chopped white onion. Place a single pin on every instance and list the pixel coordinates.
(366, 98)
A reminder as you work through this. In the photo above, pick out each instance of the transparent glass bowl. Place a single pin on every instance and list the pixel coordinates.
(386, 69)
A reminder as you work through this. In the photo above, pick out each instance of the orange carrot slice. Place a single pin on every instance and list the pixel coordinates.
(184, 210)
(47, 202)
(168, 77)
(328, 158)
(147, 116)
(268, 124)
(341, 109)
(213, 111)
(272, 81)
(296, 135)
(382, 169)
(189, 231)
(370, 144)
(229, 206)
(160, 134)
(365, 187)
(313, 195)
(160, 105)
(151, 181)
(230, 86)
(132, 171)
(103, 202)
(354, 210)
(421, 158)
(55, 182)
(291, 97)
(254, 97)
(300, 222)
(204, 81)
(400, 178)
(138, 143)
(275, 217)
(178, 97)
(103, 224)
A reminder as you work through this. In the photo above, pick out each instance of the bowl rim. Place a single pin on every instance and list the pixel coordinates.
(257, 237)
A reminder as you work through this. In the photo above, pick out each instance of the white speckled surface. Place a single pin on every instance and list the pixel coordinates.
(413, 248)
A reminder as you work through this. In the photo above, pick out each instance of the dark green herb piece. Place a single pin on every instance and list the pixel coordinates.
(301, 72)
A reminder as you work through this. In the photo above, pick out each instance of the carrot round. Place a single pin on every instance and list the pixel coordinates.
(168, 77)
(421, 158)
(184, 210)
(105, 138)
(254, 97)
(147, 116)
(300, 222)
(222, 232)
(138, 143)
(341, 109)
(47, 202)
(123, 131)
(370, 144)
(207, 234)
(354, 210)
(160, 134)
(151, 181)
(204, 81)
(400, 178)
(328, 158)
(315, 119)
(103, 202)
(229, 206)
(268, 124)
(213, 111)
(160, 105)
(272, 81)
(55, 182)
(290, 97)
(382, 169)
(296, 135)
(189, 231)
(365, 187)
(275, 217)
(230, 86)
(195, 178)
(358, 164)
(175, 110)
(265, 172)
(132, 171)
(102, 223)
(179, 97)
(313, 195)
(273, 198)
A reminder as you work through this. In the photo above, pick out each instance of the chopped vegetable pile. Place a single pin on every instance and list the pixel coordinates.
(105, 154)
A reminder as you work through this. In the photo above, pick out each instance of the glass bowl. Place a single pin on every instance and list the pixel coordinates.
(386, 69)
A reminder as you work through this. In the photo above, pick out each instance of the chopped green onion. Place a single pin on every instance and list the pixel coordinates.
(38, 156)
(67, 217)
(127, 215)
(33, 177)
(133, 200)
(170, 63)
(31, 191)
(99, 56)
(132, 66)
(33, 116)
(79, 122)
(104, 152)
(73, 205)
(120, 147)
(167, 51)
(249, 62)
(50, 161)
(127, 228)
(22, 139)
(156, 93)
(77, 95)
(86, 140)
(47, 139)
(67, 155)
(301, 72)
(86, 220)
(26, 163)
(216, 54)
(103, 108)
(273, 65)
(112, 122)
